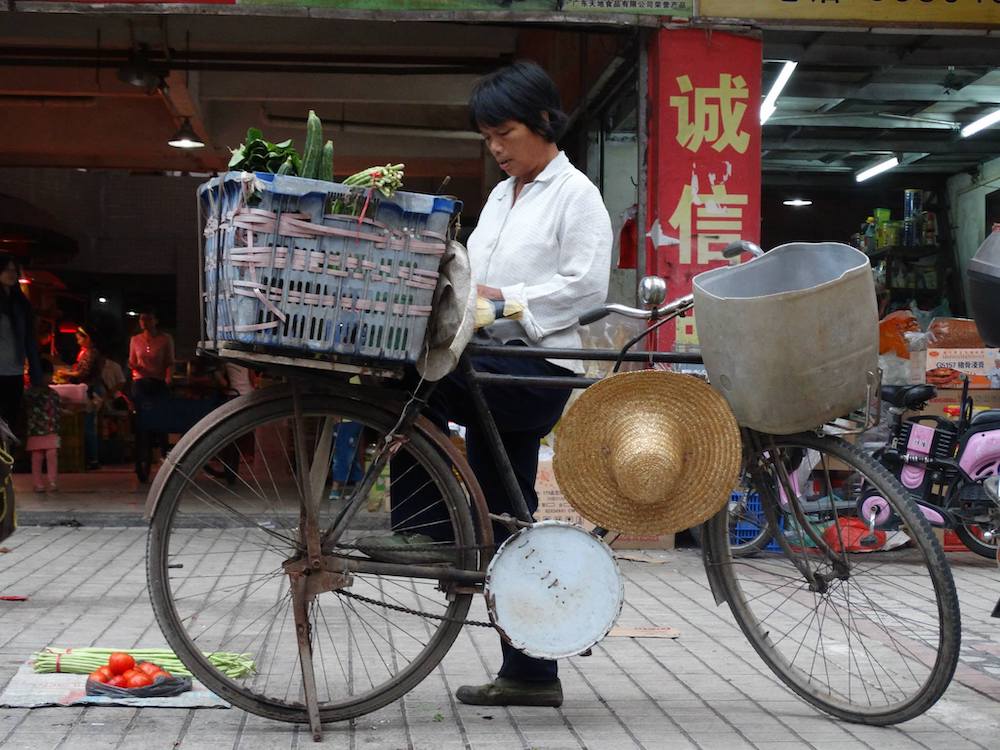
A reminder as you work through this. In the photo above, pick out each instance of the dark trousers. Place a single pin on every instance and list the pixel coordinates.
(11, 392)
(145, 393)
(523, 416)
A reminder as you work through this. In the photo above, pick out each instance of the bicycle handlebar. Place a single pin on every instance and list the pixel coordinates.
(674, 307)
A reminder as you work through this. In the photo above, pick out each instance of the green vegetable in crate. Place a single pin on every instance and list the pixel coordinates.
(326, 162)
(259, 155)
(387, 180)
(313, 153)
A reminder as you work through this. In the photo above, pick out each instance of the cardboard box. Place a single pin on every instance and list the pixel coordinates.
(978, 365)
(953, 397)
(552, 505)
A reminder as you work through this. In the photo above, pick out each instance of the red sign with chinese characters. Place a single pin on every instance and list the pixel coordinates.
(704, 157)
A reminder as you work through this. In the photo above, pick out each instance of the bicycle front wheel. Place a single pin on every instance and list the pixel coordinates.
(866, 634)
(227, 517)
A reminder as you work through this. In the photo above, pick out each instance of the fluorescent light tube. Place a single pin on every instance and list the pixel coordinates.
(797, 202)
(981, 124)
(879, 168)
(769, 105)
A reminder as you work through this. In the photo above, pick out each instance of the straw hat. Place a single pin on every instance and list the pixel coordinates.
(648, 452)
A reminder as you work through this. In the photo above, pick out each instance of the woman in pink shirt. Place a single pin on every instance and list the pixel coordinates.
(151, 360)
(151, 351)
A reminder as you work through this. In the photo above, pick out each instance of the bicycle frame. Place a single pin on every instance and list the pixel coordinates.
(317, 555)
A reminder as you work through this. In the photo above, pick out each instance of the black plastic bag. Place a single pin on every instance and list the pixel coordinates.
(164, 688)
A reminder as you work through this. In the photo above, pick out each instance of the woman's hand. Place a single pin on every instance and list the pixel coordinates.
(489, 292)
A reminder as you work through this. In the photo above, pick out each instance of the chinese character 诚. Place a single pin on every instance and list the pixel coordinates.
(712, 114)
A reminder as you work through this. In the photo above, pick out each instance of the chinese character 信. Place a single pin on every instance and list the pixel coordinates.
(717, 221)
(712, 114)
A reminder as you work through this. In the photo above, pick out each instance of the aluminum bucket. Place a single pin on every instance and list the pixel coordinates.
(790, 338)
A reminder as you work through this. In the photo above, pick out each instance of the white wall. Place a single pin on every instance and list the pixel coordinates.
(620, 169)
(967, 199)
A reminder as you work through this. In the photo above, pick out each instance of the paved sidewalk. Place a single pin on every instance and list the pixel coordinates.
(706, 689)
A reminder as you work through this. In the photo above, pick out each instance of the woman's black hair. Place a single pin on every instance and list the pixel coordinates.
(523, 92)
(47, 367)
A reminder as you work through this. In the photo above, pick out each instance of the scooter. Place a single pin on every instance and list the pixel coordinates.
(992, 487)
(943, 464)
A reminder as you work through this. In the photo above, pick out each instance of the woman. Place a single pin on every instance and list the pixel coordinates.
(87, 369)
(544, 241)
(17, 341)
(151, 360)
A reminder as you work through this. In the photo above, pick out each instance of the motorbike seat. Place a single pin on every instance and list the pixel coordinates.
(908, 396)
(983, 418)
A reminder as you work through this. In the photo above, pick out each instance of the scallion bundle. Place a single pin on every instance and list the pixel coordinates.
(387, 180)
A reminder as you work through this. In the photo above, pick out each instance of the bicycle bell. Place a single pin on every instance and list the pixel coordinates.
(652, 291)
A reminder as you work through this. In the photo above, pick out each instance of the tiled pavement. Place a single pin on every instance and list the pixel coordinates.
(706, 689)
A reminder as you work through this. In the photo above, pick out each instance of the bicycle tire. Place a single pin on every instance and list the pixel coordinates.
(915, 631)
(167, 540)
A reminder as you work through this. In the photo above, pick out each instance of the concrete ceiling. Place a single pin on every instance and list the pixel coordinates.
(397, 91)
(858, 98)
(385, 91)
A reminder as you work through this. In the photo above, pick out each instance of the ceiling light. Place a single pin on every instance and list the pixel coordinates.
(769, 105)
(981, 124)
(879, 168)
(797, 202)
(186, 137)
(102, 300)
(132, 314)
(23, 280)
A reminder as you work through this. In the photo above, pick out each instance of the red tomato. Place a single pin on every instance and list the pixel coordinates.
(128, 675)
(148, 667)
(119, 662)
(139, 679)
(97, 676)
(106, 671)
(118, 681)
(160, 675)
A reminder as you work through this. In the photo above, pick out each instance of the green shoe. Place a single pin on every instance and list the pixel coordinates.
(407, 549)
(505, 692)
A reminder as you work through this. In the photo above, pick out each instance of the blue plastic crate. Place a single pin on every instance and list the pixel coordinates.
(318, 267)
(744, 531)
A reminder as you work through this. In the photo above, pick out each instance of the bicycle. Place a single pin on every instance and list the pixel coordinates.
(336, 635)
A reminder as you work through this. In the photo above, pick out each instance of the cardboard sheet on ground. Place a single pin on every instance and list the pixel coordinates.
(27, 689)
(623, 632)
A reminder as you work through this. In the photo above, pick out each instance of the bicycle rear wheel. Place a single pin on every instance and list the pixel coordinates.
(216, 550)
(869, 637)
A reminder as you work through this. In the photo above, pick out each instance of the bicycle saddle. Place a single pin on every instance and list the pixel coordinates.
(908, 396)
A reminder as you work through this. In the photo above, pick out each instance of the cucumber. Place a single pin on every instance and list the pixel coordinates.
(287, 168)
(314, 147)
(326, 163)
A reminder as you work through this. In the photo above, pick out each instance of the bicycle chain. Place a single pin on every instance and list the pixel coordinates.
(407, 610)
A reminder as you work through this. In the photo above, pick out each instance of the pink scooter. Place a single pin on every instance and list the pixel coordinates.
(943, 464)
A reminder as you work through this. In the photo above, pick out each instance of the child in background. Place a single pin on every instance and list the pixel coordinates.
(44, 410)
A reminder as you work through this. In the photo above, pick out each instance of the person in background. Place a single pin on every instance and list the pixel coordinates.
(44, 408)
(87, 369)
(151, 360)
(17, 341)
(151, 355)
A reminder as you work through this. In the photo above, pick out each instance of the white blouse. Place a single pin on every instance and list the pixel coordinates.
(550, 251)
